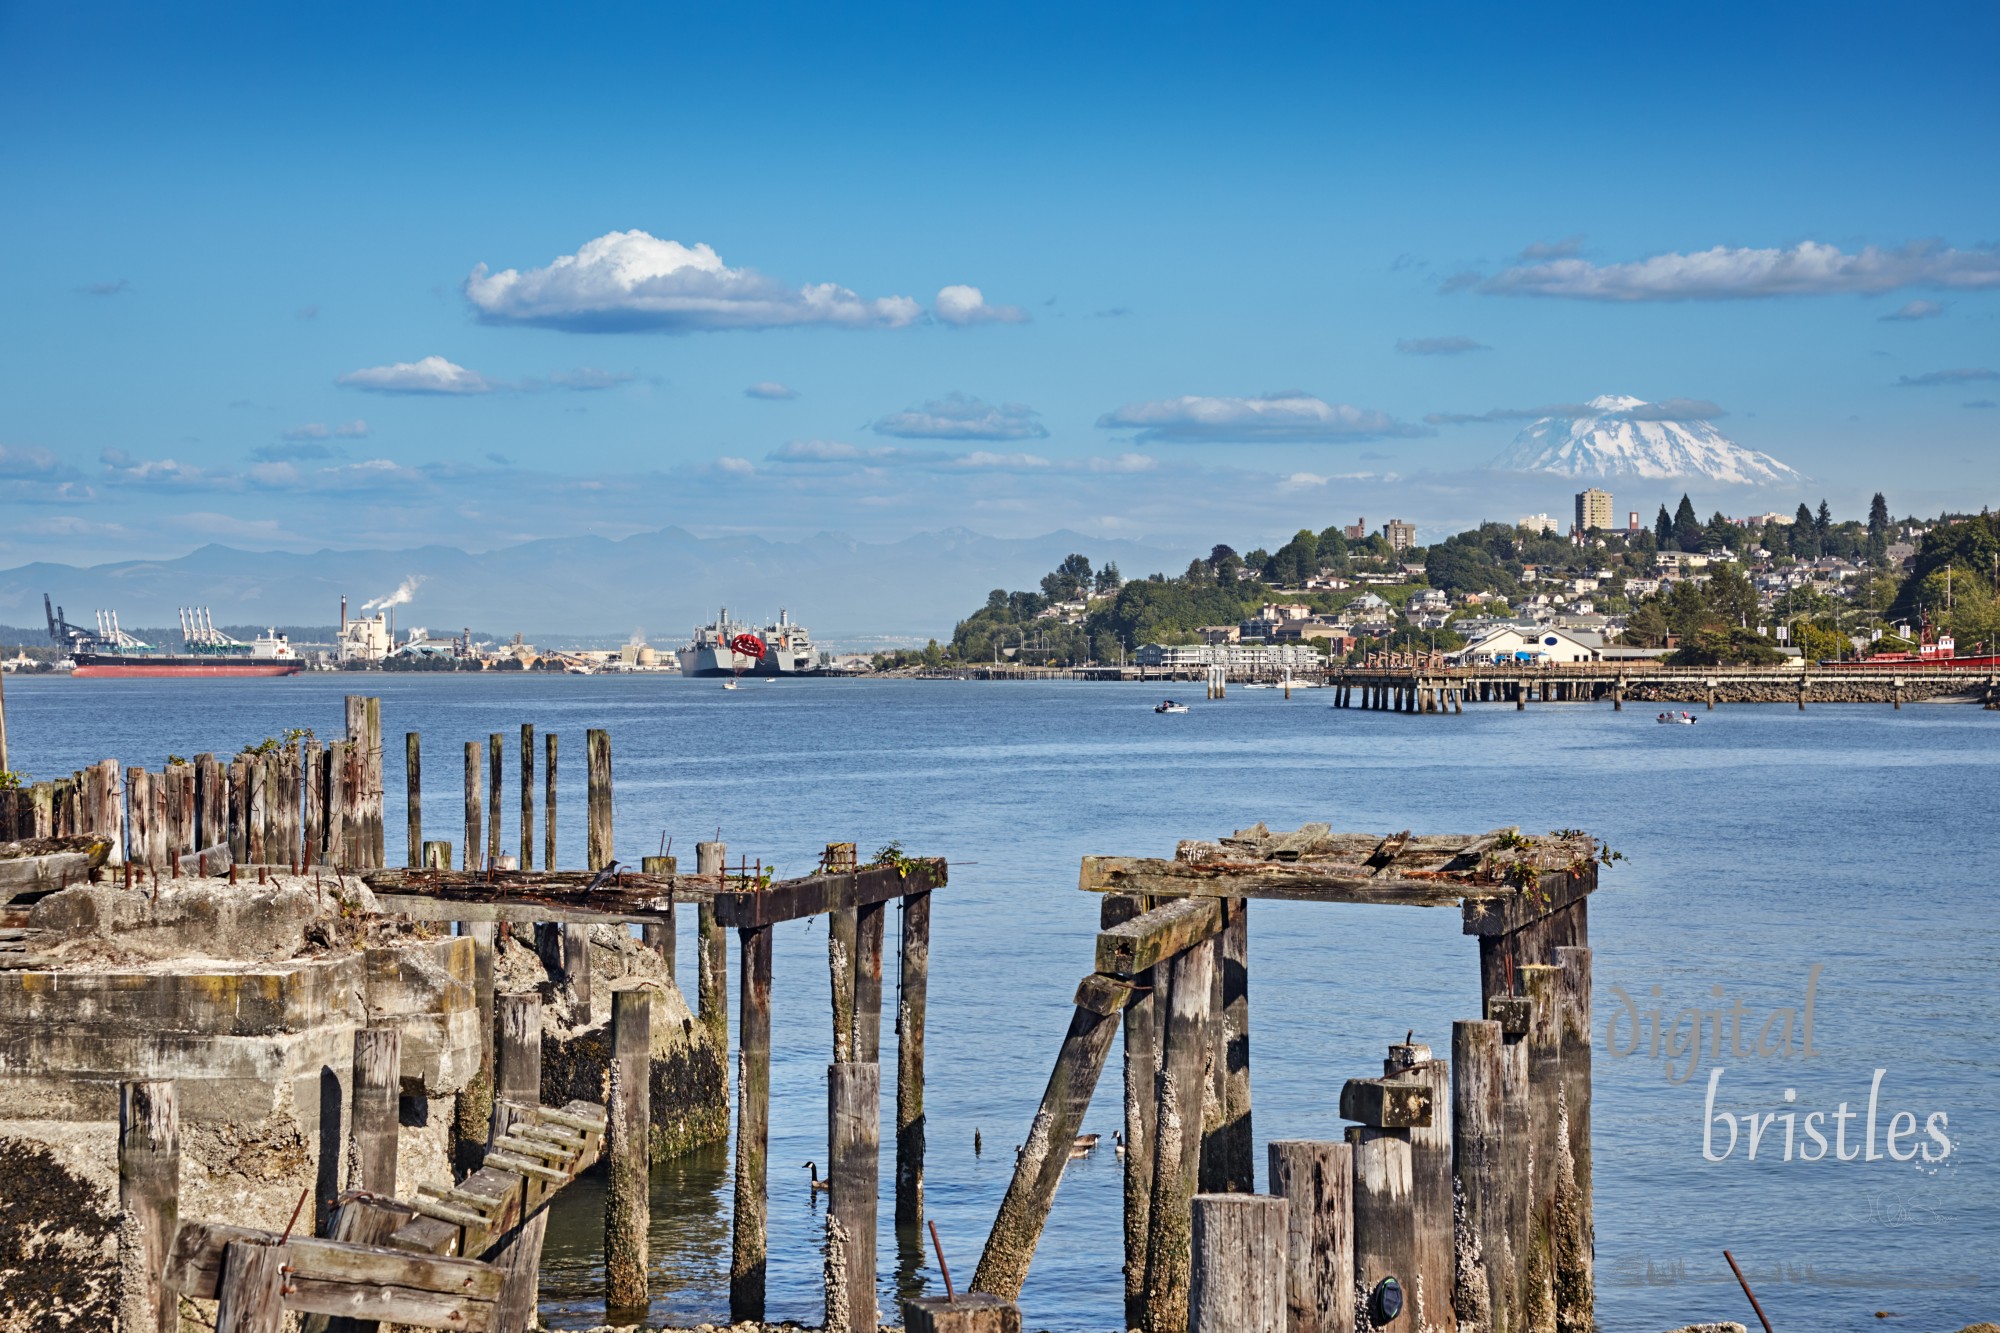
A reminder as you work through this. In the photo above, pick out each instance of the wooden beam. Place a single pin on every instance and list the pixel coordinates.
(1010, 1246)
(814, 895)
(1505, 911)
(338, 1278)
(1304, 881)
(1154, 937)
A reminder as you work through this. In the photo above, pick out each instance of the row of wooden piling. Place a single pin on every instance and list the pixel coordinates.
(298, 803)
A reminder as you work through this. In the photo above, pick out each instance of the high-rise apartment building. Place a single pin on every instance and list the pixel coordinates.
(1593, 510)
(1401, 536)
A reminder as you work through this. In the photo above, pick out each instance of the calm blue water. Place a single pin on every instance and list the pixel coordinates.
(1763, 843)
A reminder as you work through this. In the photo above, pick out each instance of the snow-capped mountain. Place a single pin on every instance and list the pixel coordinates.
(1621, 436)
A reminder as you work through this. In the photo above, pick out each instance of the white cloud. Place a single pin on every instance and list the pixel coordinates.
(958, 416)
(735, 467)
(627, 281)
(770, 389)
(1967, 375)
(1275, 418)
(826, 451)
(125, 470)
(21, 462)
(1009, 462)
(1447, 346)
(319, 430)
(433, 374)
(1809, 268)
(961, 305)
(1911, 311)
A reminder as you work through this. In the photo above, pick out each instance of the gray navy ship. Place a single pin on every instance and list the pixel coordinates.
(728, 647)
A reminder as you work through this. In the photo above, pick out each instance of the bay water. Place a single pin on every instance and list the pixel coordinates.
(1838, 862)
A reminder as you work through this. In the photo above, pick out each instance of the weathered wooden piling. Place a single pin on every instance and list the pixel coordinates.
(912, 987)
(549, 801)
(211, 812)
(251, 1298)
(436, 855)
(576, 970)
(711, 952)
(870, 922)
(364, 733)
(628, 1126)
(1177, 1138)
(413, 836)
(496, 787)
(841, 939)
(853, 1121)
(474, 843)
(517, 1078)
(517, 1054)
(753, 1123)
(1575, 1269)
(1478, 1147)
(1143, 1016)
(1010, 1245)
(1239, 1279)
(1541, 983)
(969, 1312)
(1514, 1014)
(527, 796)
(149, 1183)
(598, 760)
(312, 819)
(256, 817)
(1431, 1180)
(660, 934)
(1385, 1238)
(1238, 1146)
(1316, 1181)
(373, 1124)
(139, 802)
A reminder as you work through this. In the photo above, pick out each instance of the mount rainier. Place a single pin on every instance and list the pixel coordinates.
(1614, 436)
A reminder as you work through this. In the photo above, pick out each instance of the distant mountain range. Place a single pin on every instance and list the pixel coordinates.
(1620, 436)
(849, 593)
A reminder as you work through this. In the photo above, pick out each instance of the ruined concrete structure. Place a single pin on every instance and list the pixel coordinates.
(248, 996)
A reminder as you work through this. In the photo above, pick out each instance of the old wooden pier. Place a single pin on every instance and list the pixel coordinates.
(1417, 688)
(1496, 1130)
(463, 1252)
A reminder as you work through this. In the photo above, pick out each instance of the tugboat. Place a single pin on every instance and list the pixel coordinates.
(110, 651)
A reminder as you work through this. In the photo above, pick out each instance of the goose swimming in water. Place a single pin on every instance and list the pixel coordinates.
(818, 1186)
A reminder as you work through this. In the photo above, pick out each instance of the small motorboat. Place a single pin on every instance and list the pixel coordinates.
(1683, 719)
(730, 685)
(1169, 706)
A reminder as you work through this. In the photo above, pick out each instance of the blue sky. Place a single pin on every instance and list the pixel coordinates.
(254, 264)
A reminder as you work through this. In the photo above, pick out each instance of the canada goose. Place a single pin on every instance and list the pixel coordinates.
(1085, 1145)
(1118, 1143)
(818, 1186)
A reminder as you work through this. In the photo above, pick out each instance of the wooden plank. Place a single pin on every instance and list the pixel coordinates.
(339, 1278)
(1154, 937)
(1503, 911)
(1304, 881)
(1010, 1246)
(251, 1297)
(814, 895)
(1386, 1103)
(149, 1174)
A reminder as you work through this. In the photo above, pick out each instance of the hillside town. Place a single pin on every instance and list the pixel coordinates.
(1756, 588)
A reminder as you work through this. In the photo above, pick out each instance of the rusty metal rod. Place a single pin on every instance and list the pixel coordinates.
(949, 1295)
(1761, 1318)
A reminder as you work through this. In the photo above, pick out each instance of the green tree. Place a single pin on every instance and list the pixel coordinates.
(1663, 530)
(1108, 579)
(1805, 537)
(1720, 534)
(1687, 528)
